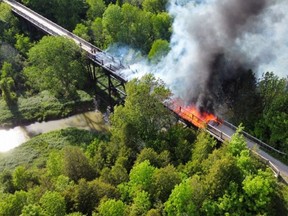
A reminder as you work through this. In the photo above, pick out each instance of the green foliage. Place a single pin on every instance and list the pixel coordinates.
(156, 160)
(154, 6)
(8, 24)
(158, 50)
(141, 176)
(12, 204)
(23, 44)
(43, 106)
(181, 200)
(258, 190)
(59, 10)
(164, 180)
(36, 151)
(32, 210)
(82, 31)
(76, 164)
(54, 64)
(112, 207)
(96, 8)
(237, 143)
(20, 178)
(55, 164)
(53, 203)
(273, 122)
(137, 124)
(141, 204)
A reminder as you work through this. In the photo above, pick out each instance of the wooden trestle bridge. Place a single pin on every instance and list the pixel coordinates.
(113, 69)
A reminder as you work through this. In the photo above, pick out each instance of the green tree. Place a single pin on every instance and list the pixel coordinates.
(32, 210)
(155, 6)
(76, 164)
(54, 64)
(141, 204)
(273, 123)
(82, 31)
(112, 22)
(162, 26)
(8, 24)
(138, 123)
(181, 200)
(23, 44)
(96, 9)
(97, 32)
(159, 49)
(53, 203)
(141, 176)
(112, 207)
(55, 164)
(21, 178)
(164, 181)
(13, 204)
(258, 190)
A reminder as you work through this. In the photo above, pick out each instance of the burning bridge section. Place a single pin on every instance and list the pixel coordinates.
(191, 114)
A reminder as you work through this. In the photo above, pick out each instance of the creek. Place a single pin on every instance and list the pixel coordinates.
(11, 138)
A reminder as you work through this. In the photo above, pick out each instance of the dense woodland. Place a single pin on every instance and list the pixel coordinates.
(147, 164)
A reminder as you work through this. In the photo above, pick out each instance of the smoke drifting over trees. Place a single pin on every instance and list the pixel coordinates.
(215, 42)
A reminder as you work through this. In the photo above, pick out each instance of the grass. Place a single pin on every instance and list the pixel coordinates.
(42, 107)
(35, 151)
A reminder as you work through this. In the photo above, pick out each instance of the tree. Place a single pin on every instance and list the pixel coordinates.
(23, 44)
(20, 178)
(155, 6)
(82, 31)
(32, 210)
(258, 190)
(273, 122)
(164, 181)
(7, 84)
(112, 207)
(181, 200)
(141, 204)
(53, 203)
(55, 64)
(97, 32)
(55, 164)
(13, 204)
(8, 24)
(96, 9)
(159, 49)
(141, 177)
(112, 22)
(138, 123)
(76, 164)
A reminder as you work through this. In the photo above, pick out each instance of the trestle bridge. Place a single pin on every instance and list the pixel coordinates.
(112, 69)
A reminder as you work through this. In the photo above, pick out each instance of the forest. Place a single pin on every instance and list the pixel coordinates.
(147, 163)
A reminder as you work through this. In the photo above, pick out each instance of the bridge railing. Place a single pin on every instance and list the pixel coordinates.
(254, 139)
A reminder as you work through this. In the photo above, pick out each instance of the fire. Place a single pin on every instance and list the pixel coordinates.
(192, 114)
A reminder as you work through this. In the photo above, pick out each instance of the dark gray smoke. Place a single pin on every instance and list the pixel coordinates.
(219, 58)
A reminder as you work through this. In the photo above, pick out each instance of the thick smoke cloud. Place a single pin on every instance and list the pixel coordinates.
(217, 41)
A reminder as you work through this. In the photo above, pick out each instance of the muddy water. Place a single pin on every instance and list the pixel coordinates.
(14, 137)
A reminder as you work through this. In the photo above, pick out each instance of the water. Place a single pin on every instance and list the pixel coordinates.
(14, 137)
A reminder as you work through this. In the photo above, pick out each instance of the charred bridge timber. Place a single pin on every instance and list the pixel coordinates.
(116, 85)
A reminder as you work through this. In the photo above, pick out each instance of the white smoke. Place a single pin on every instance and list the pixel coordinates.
(262, 43)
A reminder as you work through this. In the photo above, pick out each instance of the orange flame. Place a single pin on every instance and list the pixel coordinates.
(192, 114)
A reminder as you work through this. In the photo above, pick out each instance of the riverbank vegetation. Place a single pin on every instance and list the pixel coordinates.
(147, 165)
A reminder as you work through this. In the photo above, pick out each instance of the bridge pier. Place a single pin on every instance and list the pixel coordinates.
(108, 88)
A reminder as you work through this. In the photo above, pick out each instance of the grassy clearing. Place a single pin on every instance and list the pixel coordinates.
(35, 151)
(42, 107)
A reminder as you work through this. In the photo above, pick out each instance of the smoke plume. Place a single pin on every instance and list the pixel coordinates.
(217, 41)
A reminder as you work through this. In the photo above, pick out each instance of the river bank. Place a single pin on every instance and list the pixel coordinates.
(42, 107)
